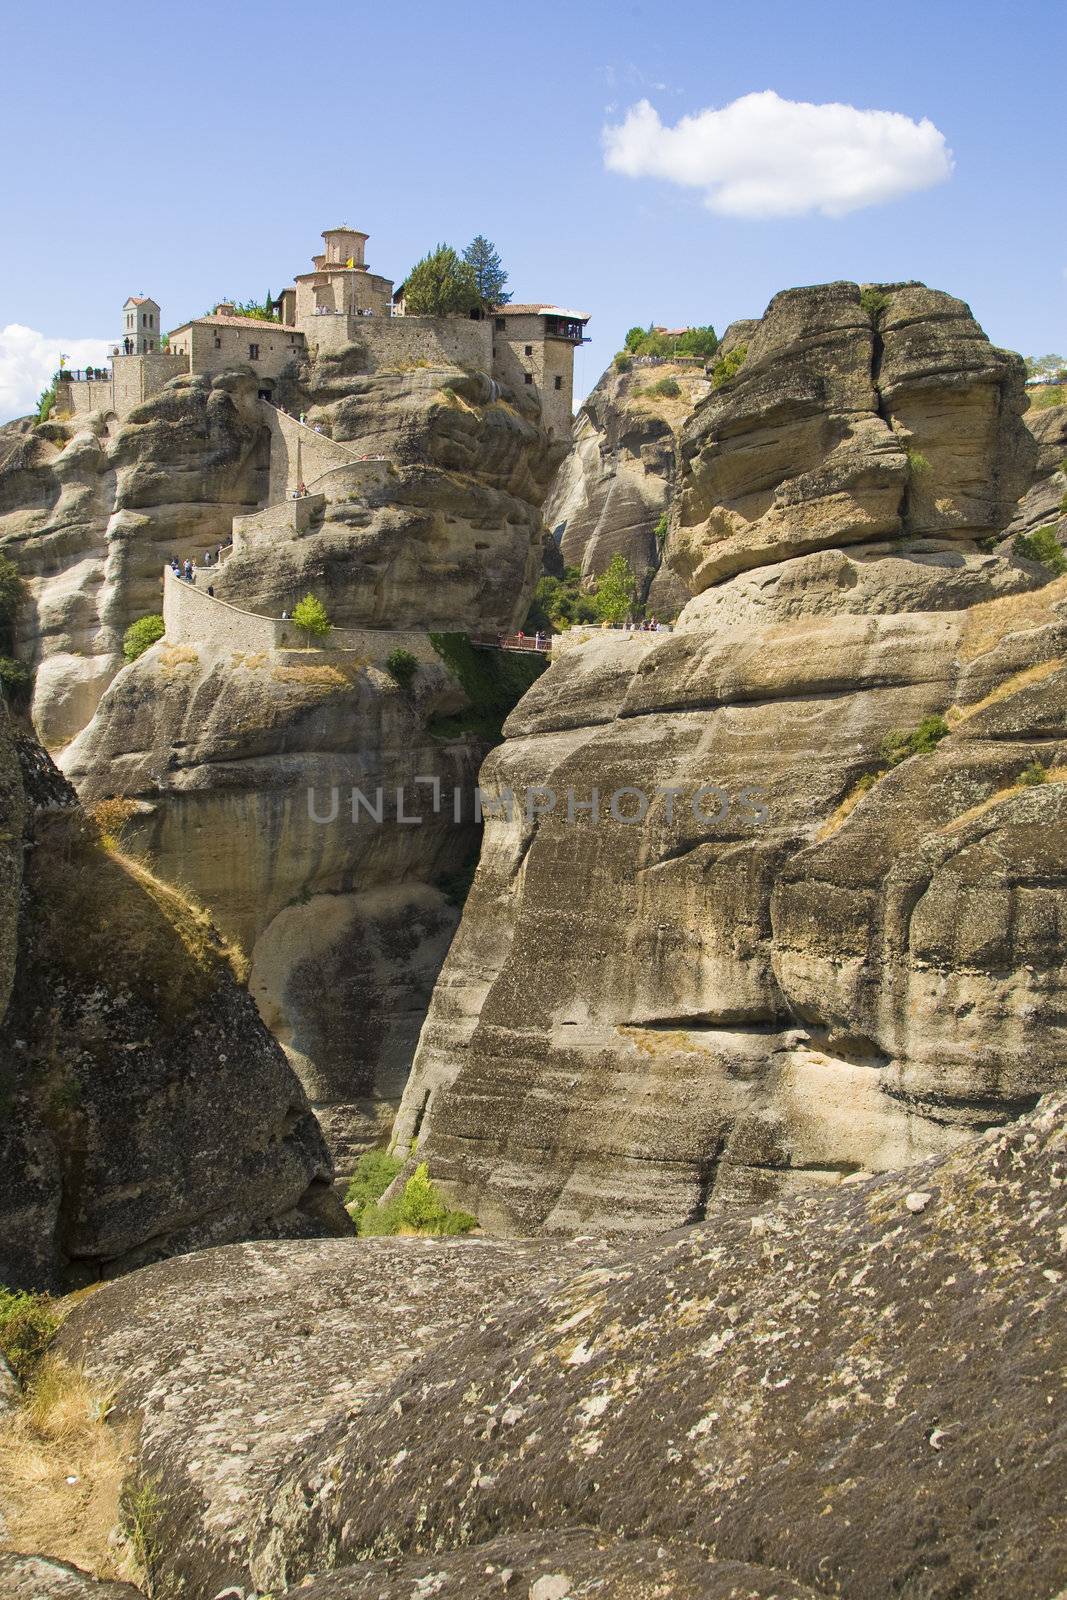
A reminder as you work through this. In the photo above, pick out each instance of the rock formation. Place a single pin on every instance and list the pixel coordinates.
(835, 947)
(1043, 505)
(424, 516)
(147, 1110)
(733, 1410)
(614, 488)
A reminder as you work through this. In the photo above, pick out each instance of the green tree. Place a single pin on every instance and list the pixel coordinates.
(310, 615)
(441, 285)
(728, 366)
(141, 635)
(634, 340)
(616, 590)
(1049, 366)
(484, 261)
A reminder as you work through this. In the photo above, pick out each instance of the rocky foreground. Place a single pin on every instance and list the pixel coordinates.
(857, 1393)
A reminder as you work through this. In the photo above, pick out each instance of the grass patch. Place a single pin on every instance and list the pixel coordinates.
(61, 1470)
(1048, 394)
(1033, 774)
(28, 1324)
(918, 465)
(494, 682)
(659, 532)
(419, 1210)
(140, 1508)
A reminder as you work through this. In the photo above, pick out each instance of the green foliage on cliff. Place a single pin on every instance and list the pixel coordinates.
(418, 1209)
(701, 341)
(668, 388)
(1033, 775)
(898, 746)
(1041, 545)
(28, 1324)
(874, 301)
(616, 591)
(661, 529)
(728, 366)
(309, 614)
(494, 682)
(45, 402)
(402, 666)
(141, 635)
(441, 285)
(560, 603)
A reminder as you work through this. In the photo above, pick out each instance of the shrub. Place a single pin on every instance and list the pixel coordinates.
(46, 402)
(728, 366)
(402, 666)
(16, 680)
(622, 363)
(661, 529)
(559, 603)
(667, 387)
(419, 1209)
(373, 1174)
(28, 1324)
(917, 462)
(1034, 774)
(874, 301)
(898, 746)
(1041, 545)
(141, 635)
(309, 614)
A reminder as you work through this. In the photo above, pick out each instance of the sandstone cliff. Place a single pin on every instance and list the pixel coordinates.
(424, 515)
(147, 1110)
(836, 948)
(615, 486)
(734, 1410)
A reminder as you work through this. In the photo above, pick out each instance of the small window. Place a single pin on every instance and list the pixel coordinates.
(529, 377)
(501, 324)
(529, 349)
(559, 383)
(218, 341)
(253, 352)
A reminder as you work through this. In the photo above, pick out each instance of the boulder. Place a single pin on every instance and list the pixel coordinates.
(729, 1409)
(24, 1577)
(148, 1109)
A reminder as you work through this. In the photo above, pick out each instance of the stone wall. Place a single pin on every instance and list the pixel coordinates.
(407, 341)
(289, 519)
(220, 346)
(521, 352)
(298, 454)
(194, 617)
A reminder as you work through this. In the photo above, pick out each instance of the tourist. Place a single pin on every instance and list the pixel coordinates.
(302, 490)
(218, 553)
(188, 570)
(285, 616)
(211, 591)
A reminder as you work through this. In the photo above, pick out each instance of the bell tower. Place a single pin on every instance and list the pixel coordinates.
(140, 326)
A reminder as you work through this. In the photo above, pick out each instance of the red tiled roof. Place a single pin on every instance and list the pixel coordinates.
(240, 322)
(540, 308)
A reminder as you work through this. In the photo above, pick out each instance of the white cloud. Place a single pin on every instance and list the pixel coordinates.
(28, 360)
(762, 156)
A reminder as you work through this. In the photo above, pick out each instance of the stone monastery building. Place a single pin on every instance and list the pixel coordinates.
(340, 303)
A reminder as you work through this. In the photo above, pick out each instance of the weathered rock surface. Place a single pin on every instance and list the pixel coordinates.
(641, 1023)
(854, 1392)
(148, 1111)
(559, 1566)
(24, 1577)
(243, 766)
(611, 491)
(850, 420)
(1042, 506)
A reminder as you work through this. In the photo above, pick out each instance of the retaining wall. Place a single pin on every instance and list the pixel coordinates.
(193, 617)
(406, 341)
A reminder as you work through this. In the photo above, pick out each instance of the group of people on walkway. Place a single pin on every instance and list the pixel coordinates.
(186, 570)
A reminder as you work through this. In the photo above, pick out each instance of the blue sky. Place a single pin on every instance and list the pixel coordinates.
(193, 152)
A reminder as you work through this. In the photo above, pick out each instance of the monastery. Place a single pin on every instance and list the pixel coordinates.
(340, 303)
